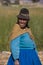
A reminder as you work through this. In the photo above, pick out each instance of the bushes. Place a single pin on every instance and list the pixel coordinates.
(35, 1)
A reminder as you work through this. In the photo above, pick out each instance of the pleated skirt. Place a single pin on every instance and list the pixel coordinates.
(26, 57)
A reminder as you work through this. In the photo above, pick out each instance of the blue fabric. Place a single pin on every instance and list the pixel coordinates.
(26, 41)
(11, 60)
(26, 57)
(22, 41)
(14, 47)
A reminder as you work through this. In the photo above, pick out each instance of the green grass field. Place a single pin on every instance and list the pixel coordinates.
(8, 19)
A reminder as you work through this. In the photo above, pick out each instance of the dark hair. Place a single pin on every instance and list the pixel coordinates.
(26, 23)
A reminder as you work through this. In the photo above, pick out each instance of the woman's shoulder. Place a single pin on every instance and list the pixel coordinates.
(28, 29)
(16, 26)
(14, 32)
(30, 33)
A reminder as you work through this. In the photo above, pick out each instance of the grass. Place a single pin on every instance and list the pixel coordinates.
(8, 19)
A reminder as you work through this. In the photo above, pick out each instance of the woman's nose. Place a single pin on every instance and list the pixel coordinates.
(22, 20)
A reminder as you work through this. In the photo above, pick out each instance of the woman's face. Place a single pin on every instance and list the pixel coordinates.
(22, 23)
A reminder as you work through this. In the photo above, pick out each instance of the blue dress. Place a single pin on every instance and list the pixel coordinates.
(24, 49)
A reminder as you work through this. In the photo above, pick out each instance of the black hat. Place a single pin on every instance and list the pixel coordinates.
(24, 14)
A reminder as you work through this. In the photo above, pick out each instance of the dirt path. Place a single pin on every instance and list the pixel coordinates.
(5, 55)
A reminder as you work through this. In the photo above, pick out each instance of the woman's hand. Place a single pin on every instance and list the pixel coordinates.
(16, 62)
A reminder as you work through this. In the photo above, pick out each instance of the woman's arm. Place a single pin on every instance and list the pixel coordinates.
(14, 47)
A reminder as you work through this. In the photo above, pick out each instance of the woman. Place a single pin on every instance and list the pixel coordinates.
(22, 45)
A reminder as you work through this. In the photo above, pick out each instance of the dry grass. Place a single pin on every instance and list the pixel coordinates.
(8, 19)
